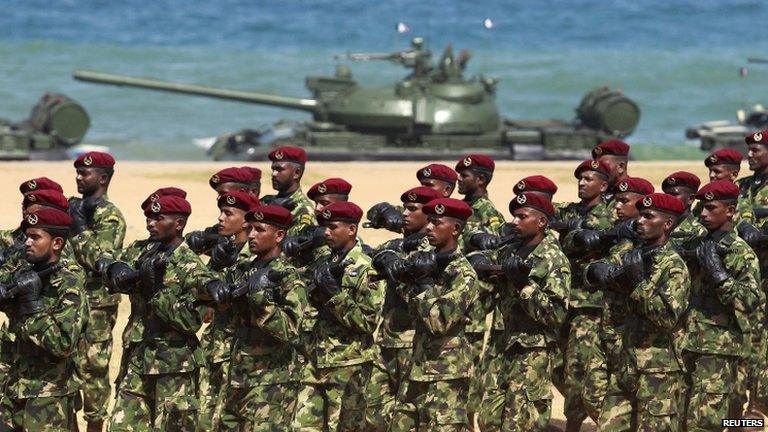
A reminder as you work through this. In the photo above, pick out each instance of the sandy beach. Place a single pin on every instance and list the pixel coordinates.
(373, 182)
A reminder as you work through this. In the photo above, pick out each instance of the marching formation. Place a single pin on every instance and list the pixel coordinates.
(645, 309)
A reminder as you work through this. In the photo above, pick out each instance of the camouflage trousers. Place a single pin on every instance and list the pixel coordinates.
(334, 400)
(93, 362)
(166, 402)
(54, 414)
(258, 408)
(475, 383)
(710, 381)
(387, 374)
(6, 354)
(432, 406)
(517, 387)
(585, 379)
(213, 379)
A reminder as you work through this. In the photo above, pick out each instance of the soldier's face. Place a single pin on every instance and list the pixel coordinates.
(415, 219)
(264, 238)
(757, 157)
(684, 194)
(715, 214)
(591, 185)
(324, 201)
(625, 205)
(468, 182)
(442, 187)
(527, 222)
(231, 221)
(226, 188)
(88, 180)
(723, 172)
(285, 174)
(616, 165)
(339, 234)
(441, 231)
(41, 245)
(164, 228)
(652, 225)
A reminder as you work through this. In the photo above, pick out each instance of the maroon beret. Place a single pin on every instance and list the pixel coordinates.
(724, 156)
(592, 165)
(661, 202)
(242, 200)
(288, 154)
(476, 161)
(340, 211)
(242, 175)
(168, 204)
(636, 185)
(95, 159)
(335, 186)
(437, 172)
(534, 201)
(49, 198)
(450, 207)
(681, 178)
(420, 194)
(255, 173)
(170, 190)
(757, 138)
(613, 147)
(38, 184)
(275, 215)
(537, 183)
(718, 190)
(50, 218)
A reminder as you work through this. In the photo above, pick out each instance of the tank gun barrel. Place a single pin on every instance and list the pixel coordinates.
(310, 105)
(367, 56)
(757, 60)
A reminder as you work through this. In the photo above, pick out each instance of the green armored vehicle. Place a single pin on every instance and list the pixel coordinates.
(713, 135)
(55, 126)
(434, 112)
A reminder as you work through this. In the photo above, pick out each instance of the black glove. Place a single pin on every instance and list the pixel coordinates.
(325, 282)
(286, 202)
(564, 226)
(389, 265)
(385, 215)
(413, 242)
(29, 295)
(624, 230)
(219, 291)
(90, 205)
(264, 281)
(633, 269)
(587, 240)
(152, 273)
(120, 277)
(15, 249)
(201, 241)
(421, 270)
(224, 254)
(750, 234)
(760, 212)
(485, 241)
(602, 275)
(516, 270)
(77, 213)
(710, 262)
(310, 239)
(482, 265)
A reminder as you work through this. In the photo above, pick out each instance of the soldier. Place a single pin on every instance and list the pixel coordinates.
(341, 349)
(653, 281)
(684, 185)
(537, 184)
(288, 164)
(724, 164)
(329, 191)
(533, 286)
(267, 297)
(48, 312)
(475, 173)
(98, 229)
(614, 154)
(592, 210)
(158, 386)
(216, 341)
(724, 292)
(439, 291)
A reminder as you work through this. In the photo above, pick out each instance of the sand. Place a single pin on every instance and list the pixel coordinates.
(373, 183)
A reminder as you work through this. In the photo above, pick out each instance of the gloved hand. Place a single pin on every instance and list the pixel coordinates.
(90, 204)
(602, 275)
(750, 234)
(633, 269)
(152, 273)
(264, 281)
(285, 202)
(564, 226)
(325, 283)
(310, 239)
(587, 240)
(516, 270)
(421, 271)
(482, 265)
(219, 291)
(710, 262)
(201, 241)
(484, 241)
(77, 213)
(413, 242)
(624, 230)
(29, 295)
(385, 215)
(224, 254)
(389, 265)
(120, 277)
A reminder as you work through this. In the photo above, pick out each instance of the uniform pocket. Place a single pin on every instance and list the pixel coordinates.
(662, 407)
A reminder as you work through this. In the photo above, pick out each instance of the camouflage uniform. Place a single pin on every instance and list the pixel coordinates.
(303, 214)
(717, 331)
(518, 381)
(435, 395)
(689, 228)
(580, 342)
(43, 381)
(103, 237)
(11, 244)
(341, 350)
(260, 394)
(158, 389)
(646, 386)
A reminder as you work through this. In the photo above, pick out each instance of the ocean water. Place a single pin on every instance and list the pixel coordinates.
(679, 60)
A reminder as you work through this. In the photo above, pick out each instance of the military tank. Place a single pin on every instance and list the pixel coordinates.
(433, 112)
(55, 126)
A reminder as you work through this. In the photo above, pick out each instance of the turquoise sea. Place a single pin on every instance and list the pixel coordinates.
(679, 60)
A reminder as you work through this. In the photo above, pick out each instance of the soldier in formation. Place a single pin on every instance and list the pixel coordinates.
(646, 310)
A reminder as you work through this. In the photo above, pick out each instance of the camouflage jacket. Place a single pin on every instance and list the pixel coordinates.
(718, 319)
(687, 230)
(615, 310)
(47, 341)
(441, 350)
(599, 217)
(533, 313)
(104, 237)
(753, 194)
(303, 215)
(136, 252)
(267, 334)
(345, 324)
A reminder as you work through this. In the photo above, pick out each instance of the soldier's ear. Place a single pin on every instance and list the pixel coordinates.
(57, 243)
(603, 186)
(279, 235)
(181, 223)
(352, 229)
(298, 172)
(734, 175)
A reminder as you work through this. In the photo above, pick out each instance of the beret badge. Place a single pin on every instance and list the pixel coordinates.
(427, 172)
(32, 197)
(327, 214)
(521, 199)
(259, 216)
(231, 200)
(595, 164)
(709, 195)
(673, 180)
(322, 188)
(156, 207)
(521, 185)
(439, 209)
(412, 196)
(647, 201)
(623, 186)
(598, 151)
(467, 161)
(757, 136)
(32, 184)
(87, 161)
(32, 219)
(713, 159)
(215, 179)
(279, 155)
